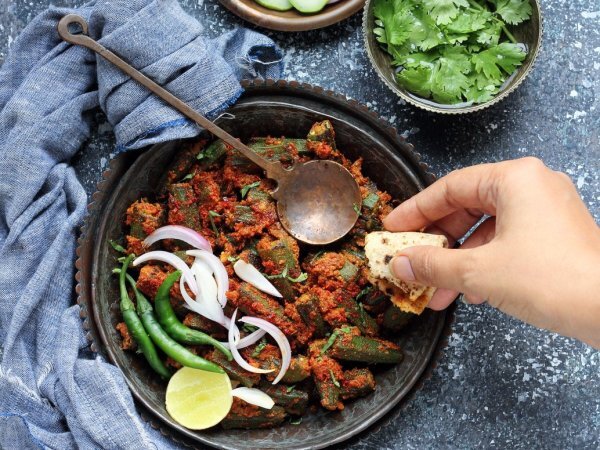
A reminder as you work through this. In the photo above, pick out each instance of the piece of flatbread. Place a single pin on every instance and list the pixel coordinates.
(380, 248)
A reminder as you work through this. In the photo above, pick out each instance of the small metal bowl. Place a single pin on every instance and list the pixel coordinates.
(529, 33)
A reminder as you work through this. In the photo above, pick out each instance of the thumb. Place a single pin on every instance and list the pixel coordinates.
(434, 266)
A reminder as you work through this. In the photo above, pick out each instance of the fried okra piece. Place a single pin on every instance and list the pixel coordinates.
(356, 315)
(273, 149)
(143, 218)
(235, 372)
(322, 132)
(245, 415)
(298, 371)
(149, 280)
(211, 154)
(349, 345)
(307, 306)
(183, 162)
(293, 400)
(197, 322)
(394, 319)
(280, 260)
(326, 374)
(356, 383)
(183, 208)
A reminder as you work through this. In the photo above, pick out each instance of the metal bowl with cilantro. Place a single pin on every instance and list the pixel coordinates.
(452, 56)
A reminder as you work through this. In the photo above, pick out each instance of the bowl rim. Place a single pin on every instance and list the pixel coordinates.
(430, 105)
(85, 283)
(265, 18)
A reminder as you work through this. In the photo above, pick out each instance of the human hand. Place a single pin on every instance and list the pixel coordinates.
(536, 258)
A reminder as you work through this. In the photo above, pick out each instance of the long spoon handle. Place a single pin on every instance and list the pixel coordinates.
(274, 170)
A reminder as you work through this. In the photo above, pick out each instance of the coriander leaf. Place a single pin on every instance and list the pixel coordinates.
(449, 80)
(490, 35)
(370, 200)
(468, 22)
(290, 388)
(513, 11)
(481, 89)
(335, 382)
(246, 188)
(506, 56)
(259, 348)
(424, 33)
(417, 80)
(394, 20)
(443, 11)
(329, 342)
(302, 277)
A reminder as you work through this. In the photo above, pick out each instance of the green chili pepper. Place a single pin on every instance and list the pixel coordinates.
(135, 326)
(171, 324)
(163, 341)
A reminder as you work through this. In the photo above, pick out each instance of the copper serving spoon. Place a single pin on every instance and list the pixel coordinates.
(317, 201)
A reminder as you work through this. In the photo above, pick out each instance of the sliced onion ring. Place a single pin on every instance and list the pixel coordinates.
(233, 338)
(254, 397)
(250, 274)
(173, 260)
(206, 307)
(219, 272)
(248, 340)
(180, 233)
(282, 341)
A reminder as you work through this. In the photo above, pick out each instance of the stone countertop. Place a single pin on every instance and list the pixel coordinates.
(499, 383)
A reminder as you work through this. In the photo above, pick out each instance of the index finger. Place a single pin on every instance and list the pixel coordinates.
(468, 188)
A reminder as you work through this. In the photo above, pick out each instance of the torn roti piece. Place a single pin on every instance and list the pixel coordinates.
(380, 248)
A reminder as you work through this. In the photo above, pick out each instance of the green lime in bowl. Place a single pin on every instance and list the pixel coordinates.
(452, 56)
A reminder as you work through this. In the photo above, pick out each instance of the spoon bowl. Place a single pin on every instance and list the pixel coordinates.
(319, 203)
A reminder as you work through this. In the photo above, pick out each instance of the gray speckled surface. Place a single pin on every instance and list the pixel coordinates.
(500, 383)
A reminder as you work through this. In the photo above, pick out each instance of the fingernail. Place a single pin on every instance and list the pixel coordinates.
(401, 268)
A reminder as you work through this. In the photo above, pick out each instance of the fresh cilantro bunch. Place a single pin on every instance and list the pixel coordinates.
(453, 51)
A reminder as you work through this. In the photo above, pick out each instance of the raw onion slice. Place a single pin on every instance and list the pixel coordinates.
(206, 307)
(250, 274)
(205, 279)
(248, 340)
(173, 260)
(218, 270)
(282, 341)
(254, 397)
(233, 339)
(180, 233)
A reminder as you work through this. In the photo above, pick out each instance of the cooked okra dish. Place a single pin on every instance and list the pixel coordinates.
(211, 281)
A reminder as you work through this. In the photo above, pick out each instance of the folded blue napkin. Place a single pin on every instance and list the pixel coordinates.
(54, 393)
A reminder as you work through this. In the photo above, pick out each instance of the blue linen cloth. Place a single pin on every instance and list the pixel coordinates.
(54, 393)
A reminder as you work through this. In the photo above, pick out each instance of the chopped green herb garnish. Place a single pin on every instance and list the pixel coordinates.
(356, 208)
(370, 200)
(246, 188)
(117, 247)
(330, 341)
(247, 328)
(259, 348)
(233, 259)
(452, 51)
(290, 388)
(211, 216)
(189, 176)
(283, 274)
(302, 277)
(333, 379)
(317, 256)
(364, 292)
